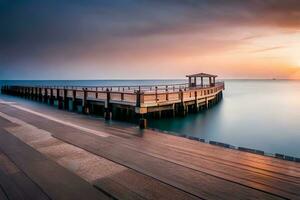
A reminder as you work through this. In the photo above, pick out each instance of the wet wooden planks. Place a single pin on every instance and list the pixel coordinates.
(56, 181)
(196, 182)
(125, 184)
(184, 157)
(130, 184)
(15, 184)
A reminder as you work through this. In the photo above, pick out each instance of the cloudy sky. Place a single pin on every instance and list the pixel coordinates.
(136, 39)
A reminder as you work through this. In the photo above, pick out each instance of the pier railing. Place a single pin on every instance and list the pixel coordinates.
(144, 95)
(139, 100)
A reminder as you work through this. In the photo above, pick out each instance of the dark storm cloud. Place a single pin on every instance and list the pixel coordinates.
(51, 30)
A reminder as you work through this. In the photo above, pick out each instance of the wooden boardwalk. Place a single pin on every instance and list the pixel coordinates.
(62, 155)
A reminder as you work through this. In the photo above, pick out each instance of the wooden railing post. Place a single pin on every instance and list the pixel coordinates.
(85, 109)
(167, 94)
(156, 96)
(138, 98)
(107, 112)
(196, 101)
(96, 92)
(182, 107)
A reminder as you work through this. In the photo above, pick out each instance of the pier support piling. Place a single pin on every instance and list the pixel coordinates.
(59, 99)
(85, 108)
(107, 106)
(142, 122)
(40, 95)
(66, 100)
(51, 101)
(74, 103)
(46, 96)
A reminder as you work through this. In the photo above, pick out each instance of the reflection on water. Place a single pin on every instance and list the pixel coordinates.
(263, 115)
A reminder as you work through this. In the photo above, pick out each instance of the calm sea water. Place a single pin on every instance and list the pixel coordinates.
(259, 114)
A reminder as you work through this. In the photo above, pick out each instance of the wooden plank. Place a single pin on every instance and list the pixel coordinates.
(3, 195)
(264, 162)
(237, 156)
(57, 182)
(116, 180)
(232, 156)
(178, 176)
(264, 181)
(116, 190)
(10, 189)
(129, 184)
(107, 142)
(16, 184)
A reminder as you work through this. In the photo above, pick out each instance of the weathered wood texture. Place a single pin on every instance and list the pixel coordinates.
(164, 165)
(54, 180)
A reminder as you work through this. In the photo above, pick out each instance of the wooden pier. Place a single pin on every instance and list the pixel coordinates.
(129, 102)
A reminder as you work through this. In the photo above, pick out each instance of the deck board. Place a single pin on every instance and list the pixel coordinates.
(116, 180)
(195, 182)
(201, 170)
(270, 182)
(16, 184)
(52, 178)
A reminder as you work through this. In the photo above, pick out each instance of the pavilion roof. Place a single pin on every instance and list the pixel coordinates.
(201, 75)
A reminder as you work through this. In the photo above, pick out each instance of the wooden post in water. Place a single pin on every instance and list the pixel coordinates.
(59, 99)
(29, 92)
(25, 90)
(40, 95)
(51, 97)
(74, 103)
(35, 93)
(46, 95)
(32, 93)
(85, 109)
(66, 100)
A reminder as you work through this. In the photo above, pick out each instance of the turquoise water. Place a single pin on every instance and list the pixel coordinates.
(259, 114)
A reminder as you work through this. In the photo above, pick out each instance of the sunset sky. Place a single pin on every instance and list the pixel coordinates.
(136, 39)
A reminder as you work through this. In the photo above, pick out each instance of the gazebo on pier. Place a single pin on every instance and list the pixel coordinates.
(193, 79)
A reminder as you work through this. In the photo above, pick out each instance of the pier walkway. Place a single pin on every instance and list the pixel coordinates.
(128, 102)
(47, 153)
